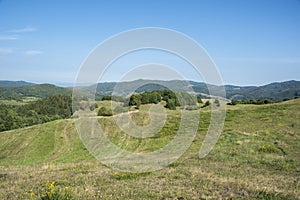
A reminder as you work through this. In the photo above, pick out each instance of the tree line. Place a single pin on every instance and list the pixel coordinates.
(172, 100)
(48, 109)
(251, 101)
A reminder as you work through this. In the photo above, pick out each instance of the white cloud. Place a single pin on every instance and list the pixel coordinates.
(5, 51)
(23, 30)
(8, 37)
(32, 52)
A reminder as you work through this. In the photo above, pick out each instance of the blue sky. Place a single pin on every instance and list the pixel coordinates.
(252, 42)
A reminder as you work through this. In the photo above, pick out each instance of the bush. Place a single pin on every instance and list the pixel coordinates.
(93, 107)
(217, 102)
(192, 107)
(207, 103)
(106, 98)
(199, 100)
(233, 102)
(267, 148)
(103, 111)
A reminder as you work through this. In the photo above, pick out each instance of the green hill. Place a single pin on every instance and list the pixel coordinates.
(272, 91)
(18, 90)
(39, 91)
(256, 157)
(51, 142)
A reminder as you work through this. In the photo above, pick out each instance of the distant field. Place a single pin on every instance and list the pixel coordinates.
(21, 102)
(11, 102)
(256, 157)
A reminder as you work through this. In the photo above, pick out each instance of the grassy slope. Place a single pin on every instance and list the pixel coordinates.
(257, 156)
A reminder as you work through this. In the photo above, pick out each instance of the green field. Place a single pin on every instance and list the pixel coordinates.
(257, 156)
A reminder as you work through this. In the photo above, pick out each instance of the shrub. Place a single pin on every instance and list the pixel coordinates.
(207, 103)
(192, 107)
(233, 102)
(199, 100)
(106, 98)
(93, 107)
(267, 148)
(103, 111)
(217, 102)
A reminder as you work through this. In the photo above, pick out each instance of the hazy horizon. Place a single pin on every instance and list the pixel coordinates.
(70, 84)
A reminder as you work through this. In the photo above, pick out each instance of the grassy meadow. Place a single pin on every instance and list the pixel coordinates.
(256, 157)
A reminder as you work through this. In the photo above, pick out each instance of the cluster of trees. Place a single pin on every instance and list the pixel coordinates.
(251, 101)
(41, 111)
(145, 98)
(171, 98)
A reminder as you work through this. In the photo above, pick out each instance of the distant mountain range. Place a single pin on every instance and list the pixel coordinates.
(274, 91)
(9, 84)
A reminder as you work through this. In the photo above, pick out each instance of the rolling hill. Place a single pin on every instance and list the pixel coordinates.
(273, 91)
(9, 84)
(256, 157)
(37, 90)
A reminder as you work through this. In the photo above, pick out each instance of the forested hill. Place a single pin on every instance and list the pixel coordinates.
(39, 91)
(274, 91)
